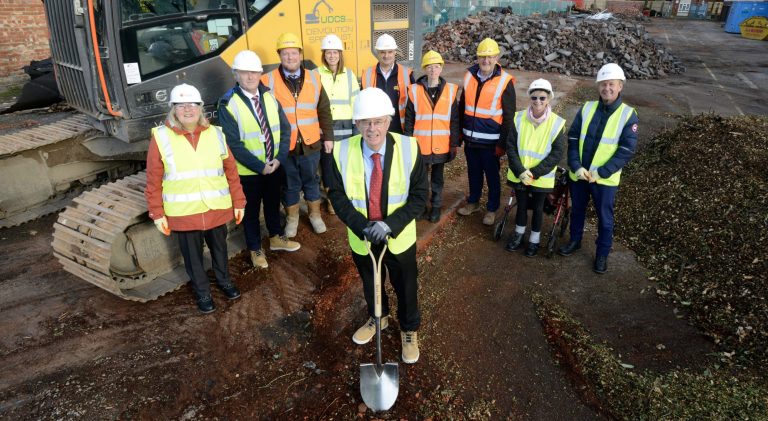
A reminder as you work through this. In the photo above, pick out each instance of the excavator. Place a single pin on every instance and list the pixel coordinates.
(115, 63)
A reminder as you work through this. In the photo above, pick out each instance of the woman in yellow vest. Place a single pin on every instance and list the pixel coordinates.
(534, 150)
(193, 190)
(341, 85)
(432, 116)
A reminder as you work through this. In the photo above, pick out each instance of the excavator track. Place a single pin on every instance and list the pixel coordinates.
(106, 238)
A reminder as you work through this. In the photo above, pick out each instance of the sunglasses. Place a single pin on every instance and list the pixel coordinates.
(540, 98)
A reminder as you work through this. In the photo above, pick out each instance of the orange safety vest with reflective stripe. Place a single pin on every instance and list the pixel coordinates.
(403, 85)
(301, 110)
(432, 125)
(482, 120)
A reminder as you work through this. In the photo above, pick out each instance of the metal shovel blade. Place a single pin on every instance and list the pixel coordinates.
(379, 389)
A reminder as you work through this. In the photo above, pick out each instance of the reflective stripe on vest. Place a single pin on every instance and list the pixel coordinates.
(250, 131)
(609, 141)
(534, 144)
(348, 155)
(403, 86)
(432, 125)
(341, 91)
(487, 112)
(301, 111)
(193, 181)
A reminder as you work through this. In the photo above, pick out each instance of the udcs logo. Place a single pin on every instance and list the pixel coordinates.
(314, 17)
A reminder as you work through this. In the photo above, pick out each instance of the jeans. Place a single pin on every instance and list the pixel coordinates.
(301, 175)
(482, 162)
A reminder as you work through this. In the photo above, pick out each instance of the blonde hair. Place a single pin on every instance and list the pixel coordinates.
(339, 67)
(174, 122)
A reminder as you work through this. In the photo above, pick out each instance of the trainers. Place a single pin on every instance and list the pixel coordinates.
(469, 209)
(230, 291)
(410, 347)
(258, 259)
(368, 330)
(489, 218)
(281, 242)
(205, 305)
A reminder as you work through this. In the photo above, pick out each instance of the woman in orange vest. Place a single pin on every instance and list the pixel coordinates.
(193, 190)
(432, 117)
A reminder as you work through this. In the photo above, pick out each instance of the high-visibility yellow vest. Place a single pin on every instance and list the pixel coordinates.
(609, 142)
(194, 180)
(432, 124)
(535, 143)
(250, 131)
(348, 155)
(301, 110)
(341, 92)
(403, 85)
(482, 120)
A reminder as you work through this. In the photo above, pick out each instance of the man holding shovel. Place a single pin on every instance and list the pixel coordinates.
(378, 188)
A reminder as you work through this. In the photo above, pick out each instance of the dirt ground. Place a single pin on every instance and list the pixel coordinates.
(283, 350)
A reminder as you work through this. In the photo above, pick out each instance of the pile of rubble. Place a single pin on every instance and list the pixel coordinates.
(694, 207)
(573, 46)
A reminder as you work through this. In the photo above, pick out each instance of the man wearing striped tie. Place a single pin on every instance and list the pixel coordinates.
(378, 188)
(258, 133)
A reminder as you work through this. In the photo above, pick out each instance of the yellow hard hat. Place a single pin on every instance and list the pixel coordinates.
(288, 40)
(487, 47)
(431, 57)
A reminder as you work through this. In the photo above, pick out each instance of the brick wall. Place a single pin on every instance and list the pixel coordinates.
(23, 35)
(629, 8)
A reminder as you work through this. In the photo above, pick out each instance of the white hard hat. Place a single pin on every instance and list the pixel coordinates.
(247, 60)
(610, 71)
(372, 103)
(386, 42)
(331, 42)
(540, 85)
(185, 93)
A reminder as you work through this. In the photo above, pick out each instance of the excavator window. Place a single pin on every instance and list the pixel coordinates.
(160, 39)
(258, 7)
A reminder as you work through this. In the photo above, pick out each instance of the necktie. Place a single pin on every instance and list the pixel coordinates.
(374, 192)
(264, 129)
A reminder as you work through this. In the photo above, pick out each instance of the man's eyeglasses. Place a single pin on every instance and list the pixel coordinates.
(540, 98)
(364, 124)
(192, 105)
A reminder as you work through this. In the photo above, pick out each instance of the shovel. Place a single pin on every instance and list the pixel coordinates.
(379, 383)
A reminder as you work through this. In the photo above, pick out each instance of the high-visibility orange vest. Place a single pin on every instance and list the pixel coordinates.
(403, 85)
(302, 110)
(482, 120)
(432, 125)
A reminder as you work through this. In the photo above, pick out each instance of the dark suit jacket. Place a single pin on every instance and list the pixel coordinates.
(414, 206)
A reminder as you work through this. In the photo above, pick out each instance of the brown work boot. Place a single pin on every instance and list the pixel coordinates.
(410, 347)
(315, 218)
(291, 220)
(281, 242)
(368, 330)
(259, 259)
(469, 209)
(489, 218)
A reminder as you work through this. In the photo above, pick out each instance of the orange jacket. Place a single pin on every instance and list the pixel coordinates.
(302, 110)
(403, 85)
(432, 122)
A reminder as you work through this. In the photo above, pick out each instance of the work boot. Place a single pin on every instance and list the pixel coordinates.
(315, 218)
(514, 242)
(258, 259)
(281, 242)
(569, 248)
(205, 305)
(601, 264)
(434, 214)
(531, 250)
(410, 347)
(291, 220)
(368, 330)
(469, 209)
(489, 218)
(230, 291)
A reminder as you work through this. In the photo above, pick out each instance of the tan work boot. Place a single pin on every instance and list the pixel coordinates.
(259, 259)
(410, 347)
(281, 242)
(489, 218)
(468, 209)
(368, 330)
(291, 220)
(315, 218)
